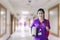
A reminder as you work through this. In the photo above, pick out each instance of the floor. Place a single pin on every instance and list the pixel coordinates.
(26, 35)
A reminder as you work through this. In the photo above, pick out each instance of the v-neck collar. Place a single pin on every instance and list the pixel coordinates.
(42, 21)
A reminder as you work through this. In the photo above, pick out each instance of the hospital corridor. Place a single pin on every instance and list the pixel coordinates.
(19, 19)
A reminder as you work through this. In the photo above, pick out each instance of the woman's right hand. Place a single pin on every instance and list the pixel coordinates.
(33, 35)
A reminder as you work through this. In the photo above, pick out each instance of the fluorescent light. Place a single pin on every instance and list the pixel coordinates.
(25, 12)
(51, 12)
(2, 12)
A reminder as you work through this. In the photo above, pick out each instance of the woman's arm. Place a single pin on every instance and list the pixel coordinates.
(47, 27)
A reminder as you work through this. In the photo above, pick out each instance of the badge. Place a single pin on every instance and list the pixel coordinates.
(39, 33)
(39, 29)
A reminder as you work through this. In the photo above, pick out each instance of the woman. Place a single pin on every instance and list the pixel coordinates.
(42, 26)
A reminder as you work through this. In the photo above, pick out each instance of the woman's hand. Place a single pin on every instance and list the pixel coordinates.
(47, 28)
(33, 35)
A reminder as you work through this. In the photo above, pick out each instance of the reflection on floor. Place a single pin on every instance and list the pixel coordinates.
(51, 37)
(26, 35)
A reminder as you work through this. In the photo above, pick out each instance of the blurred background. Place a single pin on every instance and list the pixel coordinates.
(16, 17)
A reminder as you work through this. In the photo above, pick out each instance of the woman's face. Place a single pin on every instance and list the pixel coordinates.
(40, 15)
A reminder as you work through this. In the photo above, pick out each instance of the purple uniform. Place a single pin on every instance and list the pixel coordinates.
(41, 32)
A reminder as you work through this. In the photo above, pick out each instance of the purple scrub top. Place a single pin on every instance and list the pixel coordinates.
(41, 28)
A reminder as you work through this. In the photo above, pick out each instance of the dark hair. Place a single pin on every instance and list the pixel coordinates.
(41, 10)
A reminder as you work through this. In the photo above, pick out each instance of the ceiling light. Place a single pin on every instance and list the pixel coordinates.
(2, 12)
(25, 12)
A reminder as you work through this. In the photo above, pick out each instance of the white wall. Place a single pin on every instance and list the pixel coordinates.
(51, 37)
(7, 5)
(8, 27)
(49, 5)
(9, 9)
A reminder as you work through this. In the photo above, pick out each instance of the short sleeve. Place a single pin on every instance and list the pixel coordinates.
(32, 25)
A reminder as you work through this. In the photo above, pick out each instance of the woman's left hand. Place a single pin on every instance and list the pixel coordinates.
(47, 28)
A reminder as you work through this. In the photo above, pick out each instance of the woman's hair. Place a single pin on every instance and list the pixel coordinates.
(41, 10)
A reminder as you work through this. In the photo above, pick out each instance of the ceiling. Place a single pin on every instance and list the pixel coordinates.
(29, 5)
(25, 5)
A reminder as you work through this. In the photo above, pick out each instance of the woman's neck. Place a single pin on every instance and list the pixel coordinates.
(41, 19)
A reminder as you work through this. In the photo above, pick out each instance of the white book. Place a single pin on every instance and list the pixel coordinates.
(33, 30)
